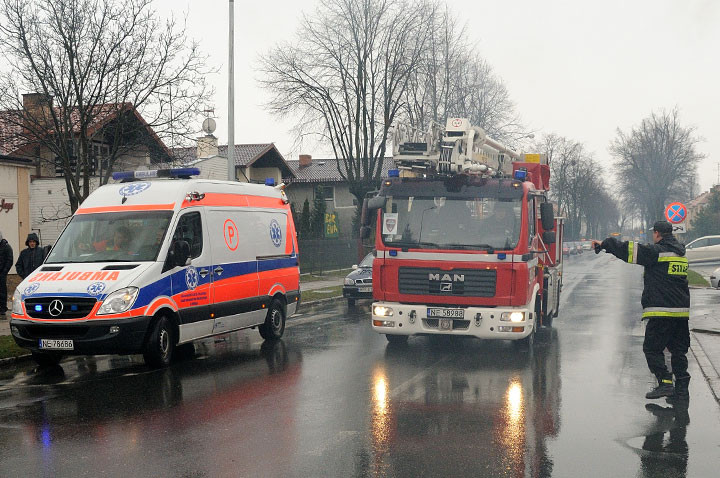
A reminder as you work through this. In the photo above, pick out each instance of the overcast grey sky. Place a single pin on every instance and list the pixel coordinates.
(577, 68)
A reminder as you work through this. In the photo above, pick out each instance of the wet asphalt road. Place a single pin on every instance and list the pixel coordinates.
(333, 399)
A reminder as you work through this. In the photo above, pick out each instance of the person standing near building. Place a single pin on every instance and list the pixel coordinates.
(6, 261)
(31, 257)
(666, 306)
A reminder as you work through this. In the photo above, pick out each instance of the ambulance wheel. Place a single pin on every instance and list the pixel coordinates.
(396, 339)
(46, 359)
(274, 325)
(160, 345)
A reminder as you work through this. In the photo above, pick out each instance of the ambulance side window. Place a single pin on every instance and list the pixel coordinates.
(189, 229)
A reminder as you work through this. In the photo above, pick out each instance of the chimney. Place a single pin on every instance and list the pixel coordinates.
(207, 146)
(305, 160)
(36, 108)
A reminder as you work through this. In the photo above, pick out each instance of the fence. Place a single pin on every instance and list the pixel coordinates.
(318, 255)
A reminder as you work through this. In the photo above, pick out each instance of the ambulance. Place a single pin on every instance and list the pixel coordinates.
(159, 260)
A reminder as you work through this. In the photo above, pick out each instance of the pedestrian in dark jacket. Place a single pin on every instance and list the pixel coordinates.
(31, 257)
(6, 261)
(666, 306)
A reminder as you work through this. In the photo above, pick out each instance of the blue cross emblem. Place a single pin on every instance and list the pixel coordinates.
(191, 277)
(30, 290)
(275, 233)
(96, 288)
(133, 188)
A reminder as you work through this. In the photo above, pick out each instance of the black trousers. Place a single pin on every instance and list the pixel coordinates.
(667, 333)
(3, 293)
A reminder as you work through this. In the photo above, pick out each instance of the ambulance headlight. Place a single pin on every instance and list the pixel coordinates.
(119, 301)
(512, 316)
(17, 304)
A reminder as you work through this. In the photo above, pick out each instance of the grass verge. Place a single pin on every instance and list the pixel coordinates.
(8, 348)
(335, 291)
(310, 277)
(696, 279)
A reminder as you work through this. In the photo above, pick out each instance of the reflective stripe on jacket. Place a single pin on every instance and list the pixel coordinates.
(665, 291)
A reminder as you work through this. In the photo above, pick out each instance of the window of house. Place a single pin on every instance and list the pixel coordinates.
(328, 192)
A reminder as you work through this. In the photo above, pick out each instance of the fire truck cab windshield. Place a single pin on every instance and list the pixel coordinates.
(441, 222)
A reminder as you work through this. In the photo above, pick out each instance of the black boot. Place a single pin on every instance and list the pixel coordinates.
(664, 389)
(682, 394)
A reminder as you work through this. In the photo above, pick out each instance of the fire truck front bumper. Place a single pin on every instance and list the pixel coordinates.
(506, 323)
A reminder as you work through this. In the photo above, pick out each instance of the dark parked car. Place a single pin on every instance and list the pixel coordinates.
(358, 283)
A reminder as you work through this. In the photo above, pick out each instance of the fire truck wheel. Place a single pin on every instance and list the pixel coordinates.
(274, 325)
(396, 339)
(46, 359)
(160, 345)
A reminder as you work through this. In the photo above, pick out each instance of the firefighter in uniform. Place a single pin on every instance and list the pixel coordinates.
(666, 306)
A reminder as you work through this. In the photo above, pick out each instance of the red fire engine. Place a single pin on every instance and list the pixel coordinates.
(467, 242)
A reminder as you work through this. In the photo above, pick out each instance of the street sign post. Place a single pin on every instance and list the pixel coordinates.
(676, 213)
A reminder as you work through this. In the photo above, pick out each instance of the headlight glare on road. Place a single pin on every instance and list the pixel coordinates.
(119, 301)
(512, 316)
(382, 311)
(349, 281)
(17, 304)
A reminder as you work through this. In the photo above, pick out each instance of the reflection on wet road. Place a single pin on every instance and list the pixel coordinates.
(333, 399)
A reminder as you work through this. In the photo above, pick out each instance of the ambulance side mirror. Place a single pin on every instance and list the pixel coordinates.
(180, 253)
(547, 216)
(549, 237)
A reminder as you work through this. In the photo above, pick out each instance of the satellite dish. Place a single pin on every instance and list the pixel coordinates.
(209, 126)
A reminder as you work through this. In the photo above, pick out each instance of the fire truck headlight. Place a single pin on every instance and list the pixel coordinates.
(512, 316)
(382, 311)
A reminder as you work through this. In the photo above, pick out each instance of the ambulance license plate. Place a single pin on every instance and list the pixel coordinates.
(437, 313)
(56, 344)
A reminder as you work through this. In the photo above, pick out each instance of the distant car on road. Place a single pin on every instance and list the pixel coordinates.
(703, 249)
(566, 249)
(587, 246)
(358, 283)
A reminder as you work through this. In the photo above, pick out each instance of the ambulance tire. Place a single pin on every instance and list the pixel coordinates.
(160, 345)
(274, 325)
(46, 359)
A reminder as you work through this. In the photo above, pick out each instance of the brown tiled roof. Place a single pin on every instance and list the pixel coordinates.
(11, 131)
(245, 154)
(324, 171)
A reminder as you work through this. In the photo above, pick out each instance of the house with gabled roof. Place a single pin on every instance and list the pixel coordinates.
(321, 176)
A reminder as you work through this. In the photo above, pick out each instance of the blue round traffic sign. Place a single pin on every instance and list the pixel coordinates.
(675, 213)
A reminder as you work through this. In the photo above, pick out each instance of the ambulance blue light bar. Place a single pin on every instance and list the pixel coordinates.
(156, 173)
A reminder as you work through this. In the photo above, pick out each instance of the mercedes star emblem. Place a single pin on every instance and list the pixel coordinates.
(56, 308)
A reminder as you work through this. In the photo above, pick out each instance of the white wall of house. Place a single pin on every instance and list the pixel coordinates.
(10, 218)
(341, 203)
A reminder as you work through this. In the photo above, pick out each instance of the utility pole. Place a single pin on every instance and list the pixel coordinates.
(231, 96)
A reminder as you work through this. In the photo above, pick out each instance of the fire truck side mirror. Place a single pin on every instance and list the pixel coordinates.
(547, 216)
(549, 237)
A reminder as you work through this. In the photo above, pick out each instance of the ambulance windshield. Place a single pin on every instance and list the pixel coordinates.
(451, 223)
(112, 237)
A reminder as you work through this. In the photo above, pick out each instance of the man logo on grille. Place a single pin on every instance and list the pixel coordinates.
(56, 308)
(446, 287)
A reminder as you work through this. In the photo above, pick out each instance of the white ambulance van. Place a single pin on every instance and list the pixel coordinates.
(147, 265)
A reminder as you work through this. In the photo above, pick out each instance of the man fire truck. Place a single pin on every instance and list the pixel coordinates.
(467, 242)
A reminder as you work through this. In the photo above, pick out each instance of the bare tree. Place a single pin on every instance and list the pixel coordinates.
(656, 162)
(346, 77)
(454, 80)
(91, 61)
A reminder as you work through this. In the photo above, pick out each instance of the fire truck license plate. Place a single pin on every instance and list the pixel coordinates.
(433, 313)
(54, 344)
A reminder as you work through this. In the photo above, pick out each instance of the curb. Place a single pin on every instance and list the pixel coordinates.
(11, 360)
(320, 301)
(708, 370)
(707, 331)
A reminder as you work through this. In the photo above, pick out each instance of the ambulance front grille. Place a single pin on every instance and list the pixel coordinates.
(72, 307)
